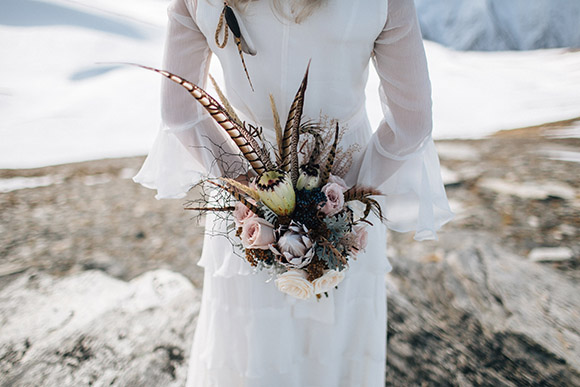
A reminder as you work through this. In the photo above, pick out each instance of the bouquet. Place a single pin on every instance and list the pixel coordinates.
(295, 215)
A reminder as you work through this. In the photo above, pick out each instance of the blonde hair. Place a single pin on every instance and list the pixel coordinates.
(300, 9)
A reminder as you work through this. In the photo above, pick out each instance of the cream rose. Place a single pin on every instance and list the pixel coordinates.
(334, 198)
(241, 214)
(257, 234)
(328, 281)
(295, 284)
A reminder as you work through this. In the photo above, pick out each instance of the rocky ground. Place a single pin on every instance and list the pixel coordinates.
(493, 302)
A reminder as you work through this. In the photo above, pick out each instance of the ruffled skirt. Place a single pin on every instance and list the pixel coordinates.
(250, 334)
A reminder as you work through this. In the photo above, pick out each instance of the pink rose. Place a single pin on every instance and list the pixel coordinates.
(241, 214)
(257, 233)
(334, 199)
(338, 180)
(361, 236)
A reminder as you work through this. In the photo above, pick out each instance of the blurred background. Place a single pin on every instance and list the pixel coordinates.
(98, 282)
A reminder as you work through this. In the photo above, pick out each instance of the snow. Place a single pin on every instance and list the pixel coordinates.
(59, 103)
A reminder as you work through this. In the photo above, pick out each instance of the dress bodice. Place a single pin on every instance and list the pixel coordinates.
(337, 38)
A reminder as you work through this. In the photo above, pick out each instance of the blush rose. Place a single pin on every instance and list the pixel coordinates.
(361, 237)
(241, 214)
(257, 233)
(334, 199)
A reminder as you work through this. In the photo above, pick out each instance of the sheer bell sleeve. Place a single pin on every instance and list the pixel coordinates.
(400, 158)
(189, 140)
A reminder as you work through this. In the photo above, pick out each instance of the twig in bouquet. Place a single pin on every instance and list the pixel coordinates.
(228, 163)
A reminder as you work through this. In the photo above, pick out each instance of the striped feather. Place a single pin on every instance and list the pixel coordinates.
(212, 209)
(291, 136)
(242, 138)
(241, 52)
(363, 195)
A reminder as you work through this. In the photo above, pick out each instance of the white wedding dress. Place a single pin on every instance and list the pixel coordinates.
(248, 333)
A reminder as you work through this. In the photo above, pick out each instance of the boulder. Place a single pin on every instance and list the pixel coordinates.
(477, 314)
(92, 329)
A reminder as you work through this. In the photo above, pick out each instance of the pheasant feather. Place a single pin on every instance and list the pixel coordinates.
(363, 195)
(293, 120)
(242, 138)
(234, 26)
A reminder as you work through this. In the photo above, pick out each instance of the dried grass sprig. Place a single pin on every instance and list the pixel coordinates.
(278, 128)
(325, 173)
(227, 106)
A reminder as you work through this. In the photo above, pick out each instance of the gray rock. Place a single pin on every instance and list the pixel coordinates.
(481, 316)
(92, 329)
(550, 254)
(529, 190)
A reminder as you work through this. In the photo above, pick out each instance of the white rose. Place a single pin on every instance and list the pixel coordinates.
(328, 281)
(294, 283)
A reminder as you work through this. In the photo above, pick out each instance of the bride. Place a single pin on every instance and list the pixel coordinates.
(249, 333)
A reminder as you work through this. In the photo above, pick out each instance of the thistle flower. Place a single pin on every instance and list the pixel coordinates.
(276, 191)
(309, 177)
